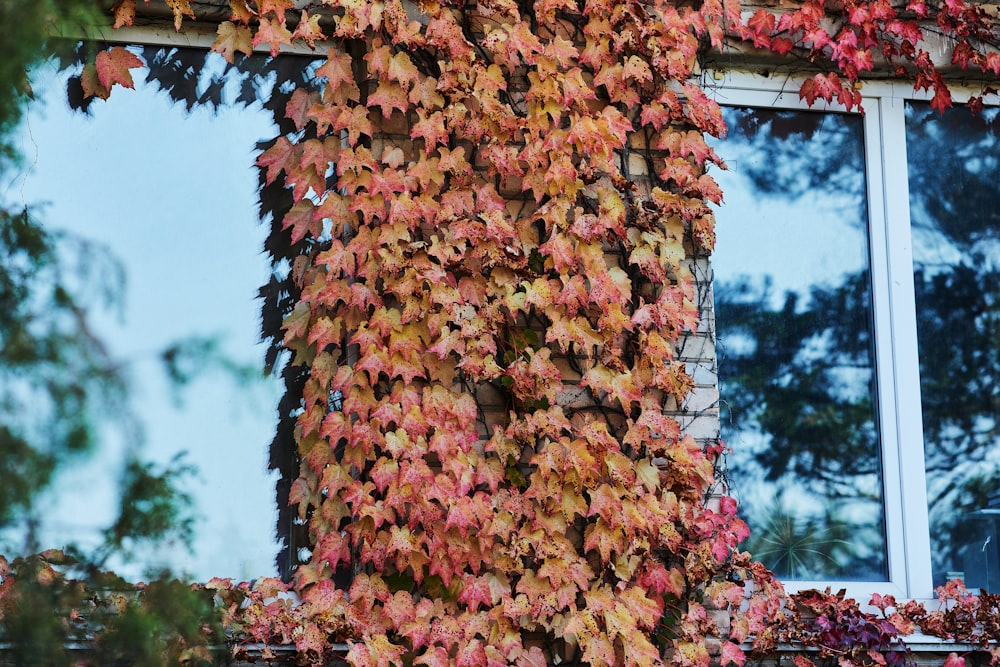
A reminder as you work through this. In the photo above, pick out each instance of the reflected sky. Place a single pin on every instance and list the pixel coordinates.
(771, 203)
(172, 196)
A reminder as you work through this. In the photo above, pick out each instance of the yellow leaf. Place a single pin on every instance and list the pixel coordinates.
(180, 9)
(647, 474)
(232, 38)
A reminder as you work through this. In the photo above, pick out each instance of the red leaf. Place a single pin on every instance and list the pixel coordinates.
(113, 67)
(820, 86)
(731, 653)
(782, 45)
(301, 220)
(298, 107)
(274, 33)
(941, 101)
(337, 69)
(705, 113)
(277, 158)
(761, 25)
(954, 660)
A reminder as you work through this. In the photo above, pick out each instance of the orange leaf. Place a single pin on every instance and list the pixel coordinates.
(402, 69)
(389, 96)
(124, 13)
(240, 11)
(277, 7)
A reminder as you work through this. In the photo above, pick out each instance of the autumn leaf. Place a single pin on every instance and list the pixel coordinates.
(301, 220)
(308, 29)
(298, 107)
(821, 86)
(232, 38)
(431, 129)
(113, 67)
(278, 158)
(762, 25)
(276, 7)
(954, 660)
(389, 96)
(124, 11)
(337, 69)
(180, 9)
(91, 83)
(272, 32)
(402, 70)
(240, 11)
(732, 654)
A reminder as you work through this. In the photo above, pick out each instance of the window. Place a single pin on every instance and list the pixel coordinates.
(161, 183)
(954, 184)
(793, 301)
(857, 275)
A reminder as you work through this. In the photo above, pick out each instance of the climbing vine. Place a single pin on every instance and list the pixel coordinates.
(496, 211)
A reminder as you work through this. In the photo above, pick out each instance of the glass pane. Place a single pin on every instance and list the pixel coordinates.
(795, 339)
(954, 179)
(169, 196)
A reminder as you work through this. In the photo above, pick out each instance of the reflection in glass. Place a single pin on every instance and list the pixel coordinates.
(954, 183)
(795, 335)
(170, 193)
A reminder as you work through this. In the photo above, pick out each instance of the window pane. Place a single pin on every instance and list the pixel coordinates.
(795, 338)
(169, 194)
(954, 183)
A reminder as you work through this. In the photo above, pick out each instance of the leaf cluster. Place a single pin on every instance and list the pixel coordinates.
(836, 630)
(847, 41)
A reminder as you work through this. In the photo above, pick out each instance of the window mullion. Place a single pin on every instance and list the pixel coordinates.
(898, 357)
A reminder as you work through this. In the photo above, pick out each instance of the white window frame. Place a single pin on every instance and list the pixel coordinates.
(897, 363)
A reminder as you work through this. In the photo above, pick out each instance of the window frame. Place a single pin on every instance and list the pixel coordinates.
(896, 354)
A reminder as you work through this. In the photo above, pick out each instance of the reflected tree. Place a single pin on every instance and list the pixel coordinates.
(801, 149)
(795, 381)
(957, 289)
